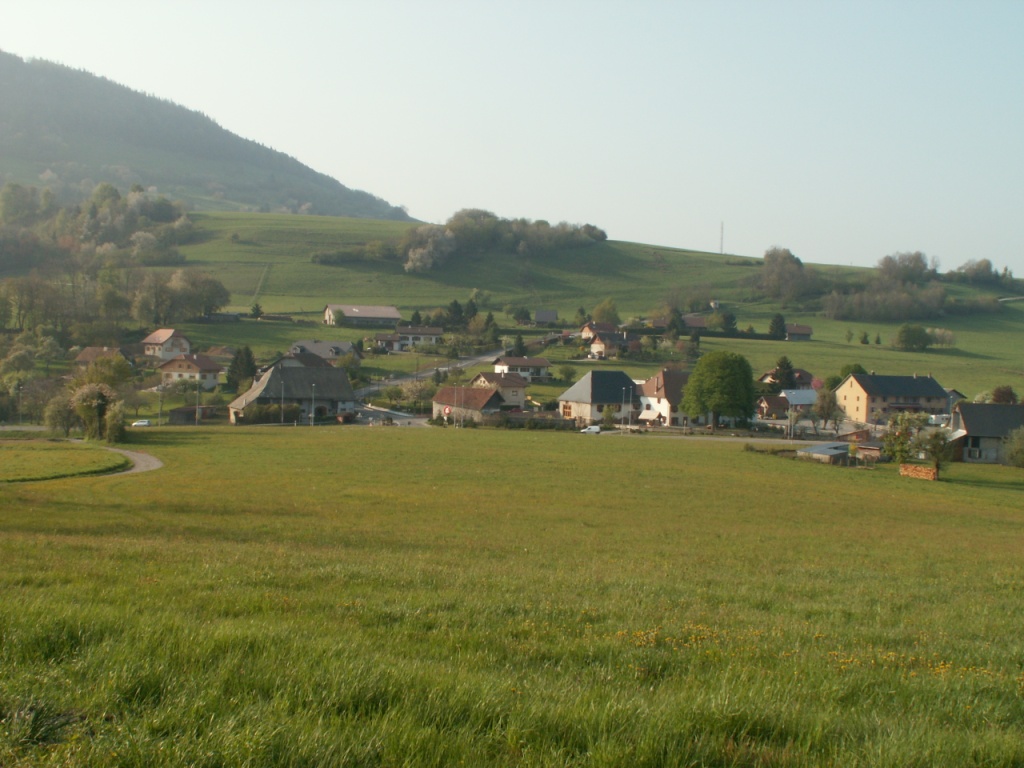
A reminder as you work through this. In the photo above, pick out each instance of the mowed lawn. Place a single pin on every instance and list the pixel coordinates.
(366, 596)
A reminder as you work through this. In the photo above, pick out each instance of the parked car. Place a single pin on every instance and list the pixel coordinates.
(591, 430)
(142, 423)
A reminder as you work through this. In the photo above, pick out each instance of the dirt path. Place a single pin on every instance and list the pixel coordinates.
(141, 462)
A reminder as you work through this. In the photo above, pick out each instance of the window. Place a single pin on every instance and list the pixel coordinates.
(566, 411)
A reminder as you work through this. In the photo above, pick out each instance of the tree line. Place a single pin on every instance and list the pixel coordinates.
(474, 232)
(83, 267)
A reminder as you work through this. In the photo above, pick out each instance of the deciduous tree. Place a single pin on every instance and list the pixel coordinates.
(722, 384)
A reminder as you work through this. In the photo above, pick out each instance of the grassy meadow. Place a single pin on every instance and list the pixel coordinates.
(32, 459)
(377, 597)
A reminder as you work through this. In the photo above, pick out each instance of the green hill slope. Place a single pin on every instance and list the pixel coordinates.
(267, 258)
(69, 130)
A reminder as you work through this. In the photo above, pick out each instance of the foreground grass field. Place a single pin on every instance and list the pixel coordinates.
(425, 597)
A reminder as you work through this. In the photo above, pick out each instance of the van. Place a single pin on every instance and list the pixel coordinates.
(592, 430)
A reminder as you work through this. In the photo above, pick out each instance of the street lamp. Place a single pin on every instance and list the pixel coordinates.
(21, 389)
(282, 397)
(312, 413)
(622, 419)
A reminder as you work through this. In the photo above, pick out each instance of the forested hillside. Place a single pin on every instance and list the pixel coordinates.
(69, 130)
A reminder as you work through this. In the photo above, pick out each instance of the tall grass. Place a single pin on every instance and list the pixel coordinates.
(375, 597)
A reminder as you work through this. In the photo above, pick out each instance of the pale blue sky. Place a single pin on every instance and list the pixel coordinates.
(842, 130)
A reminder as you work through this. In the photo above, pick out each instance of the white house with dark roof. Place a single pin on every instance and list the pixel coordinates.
(410, 336)
(190, 368)
(166, 343)
(586, 401)
(530, 368)
(661, 396)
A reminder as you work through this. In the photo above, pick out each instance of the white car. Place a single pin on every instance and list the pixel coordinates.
(142, 423)
(591, 430)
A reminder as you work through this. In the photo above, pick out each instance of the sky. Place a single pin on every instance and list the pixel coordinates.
(844, 131)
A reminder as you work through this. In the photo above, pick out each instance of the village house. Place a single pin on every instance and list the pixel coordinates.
(661, 396)
(592, 328)
(545, 316)
(511, 386)
(869, 398)
(586, 401)
(772, 407)
(979, 429)
(409, 337)
(800, 400)
(190, 368)
(323, 392)
(360, 314)
(803, 379)
(604, 345)
(797, 332)
(166, 343)
(530, 368)
(460, 404)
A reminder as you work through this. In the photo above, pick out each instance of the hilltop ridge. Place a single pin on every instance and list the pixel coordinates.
(69, 130)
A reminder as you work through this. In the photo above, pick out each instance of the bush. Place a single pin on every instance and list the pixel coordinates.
(1013, 448)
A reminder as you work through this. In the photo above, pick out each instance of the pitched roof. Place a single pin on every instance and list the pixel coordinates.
(597, 327)
(599, 387)
(545, 316)
(306, 359)
(377, 312)
(802, 330)
(297, 383)
(325, 349)
(524, 362)
(471, 398)
(499, 379)
(161, 335)
(199, 362)
(668, 383)
(990, 419)
(800, 396)
(897, 386)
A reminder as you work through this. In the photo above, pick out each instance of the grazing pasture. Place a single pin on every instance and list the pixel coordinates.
(373, 596)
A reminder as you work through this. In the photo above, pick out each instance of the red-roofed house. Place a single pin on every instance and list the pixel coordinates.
(462, 403)
(511, 386)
